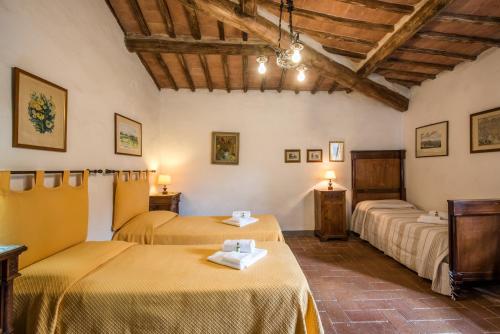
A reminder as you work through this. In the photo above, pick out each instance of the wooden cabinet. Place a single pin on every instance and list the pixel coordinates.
(330, 214)
(169, 202)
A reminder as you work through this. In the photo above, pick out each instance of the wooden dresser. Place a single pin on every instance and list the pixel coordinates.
(330, 214)
(169, 202)
(9, 256)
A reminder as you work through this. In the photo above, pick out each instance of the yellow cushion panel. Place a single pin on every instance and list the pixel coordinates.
(131, 199)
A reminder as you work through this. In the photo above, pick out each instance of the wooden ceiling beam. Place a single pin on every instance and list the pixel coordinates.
(136, 10)
(282, 80)
(344, 52)
(465, 18)
(185, 70)
(333, 87)
(226, 10)
(244, 62)
(225, 65)
(312, 15)
(148, 69)
(167, 72)
(192, 19)
(333, 37)
(164, 44)
(166, 17)
(441, 36)
(443, 53)
(248, 7)
(317, 84)
(417, 20)
(382, 5)
(263, 83)
(419, 75)
(437, 66)
(406, 83)
(206, 72)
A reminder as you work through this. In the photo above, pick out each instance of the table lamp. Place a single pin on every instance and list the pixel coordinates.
(164, 180)
(330, 175)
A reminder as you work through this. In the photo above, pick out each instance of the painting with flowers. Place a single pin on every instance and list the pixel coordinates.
(40, 113)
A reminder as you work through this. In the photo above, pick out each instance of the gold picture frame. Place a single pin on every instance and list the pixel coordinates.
(315, 155)
(431, 140)
(225, 148)
(485, 131)
(40, 113)
(128, 136)
(292, 156)
(336, 151)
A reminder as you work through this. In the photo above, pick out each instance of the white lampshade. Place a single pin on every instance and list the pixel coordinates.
(164, 179)
(330, 175)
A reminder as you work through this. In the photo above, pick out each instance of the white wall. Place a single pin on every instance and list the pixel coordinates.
(453, 96)
(268, 124)
(77, 45)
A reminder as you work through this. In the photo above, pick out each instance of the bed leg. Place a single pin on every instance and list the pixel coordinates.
(456, 283)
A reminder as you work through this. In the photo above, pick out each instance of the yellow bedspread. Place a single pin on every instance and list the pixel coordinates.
(163, 289)
(197, 230)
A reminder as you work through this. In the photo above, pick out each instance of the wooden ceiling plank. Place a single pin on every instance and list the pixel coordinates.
(420, 75)
(226, 10)
(437, 66)
(313, 15)
(344, 52)
(441, 36)
(167, 72)
(317, 84)
(456, 55)
(185, 70)
(334, 37)
(136, 10)
(248, 7)
(206, 72)
(148, 69)
(225, 66)
(116, 16)
(418, 19)
(163, 44)
(166, 17)
(466, 18)
(282, 80)
(382, 5)
(333, 88)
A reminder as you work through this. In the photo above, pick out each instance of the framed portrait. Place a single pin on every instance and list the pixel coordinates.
(40, 113)
(336, 151)
(225, 148)
(485, 131)
(431, 140)
(292, 156)
(315, 155)
(128, 136)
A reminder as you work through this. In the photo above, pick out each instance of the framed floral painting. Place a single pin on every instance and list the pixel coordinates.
(225, 148)
(128, 136)
(40, 113)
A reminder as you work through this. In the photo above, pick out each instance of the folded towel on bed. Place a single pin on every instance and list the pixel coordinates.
(431, 219)
(442, 214)
(237, 260)
(240, 222)
(244, 245)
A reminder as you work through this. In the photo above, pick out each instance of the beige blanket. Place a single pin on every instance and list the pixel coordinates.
(118, 287)
(422, 247)
(192, 230)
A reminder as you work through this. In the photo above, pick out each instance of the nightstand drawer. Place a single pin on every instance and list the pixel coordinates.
(169, 202)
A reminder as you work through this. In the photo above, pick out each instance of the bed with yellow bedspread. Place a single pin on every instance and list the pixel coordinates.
(121, 287)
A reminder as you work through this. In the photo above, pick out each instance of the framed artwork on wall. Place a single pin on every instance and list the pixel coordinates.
(225, 148)
(485, 131)
(40, 113)
(336, 151)
(292, 156)
(128, 136)
(315, 155)
(431, 140)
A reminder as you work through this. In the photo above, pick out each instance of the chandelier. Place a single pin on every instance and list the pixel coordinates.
(286, 58)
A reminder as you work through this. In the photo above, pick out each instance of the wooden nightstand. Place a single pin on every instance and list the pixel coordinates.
(9, 256)
(169, 202)
(330, 214)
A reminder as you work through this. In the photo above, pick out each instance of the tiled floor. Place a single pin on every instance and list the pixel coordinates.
(360, 290)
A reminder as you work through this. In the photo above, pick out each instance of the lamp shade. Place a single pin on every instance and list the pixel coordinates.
(330, 175)
(164, 179)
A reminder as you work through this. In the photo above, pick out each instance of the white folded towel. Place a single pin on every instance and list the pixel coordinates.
(431, 219)
(242, 214)
(240, 222)
(245, 245)
(236, 260)
(442, 214)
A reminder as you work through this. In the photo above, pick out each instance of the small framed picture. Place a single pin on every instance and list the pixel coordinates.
(485, 131)
(292, 156)
(431, 140)
(315, 155)
(336, 151)
(225, 148)
(40, 113)
(128, 136)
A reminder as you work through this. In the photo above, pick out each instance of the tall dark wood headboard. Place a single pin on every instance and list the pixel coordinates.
(378, 175)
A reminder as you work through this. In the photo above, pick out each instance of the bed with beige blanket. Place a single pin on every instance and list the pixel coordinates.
(392, 227)
(133, 222)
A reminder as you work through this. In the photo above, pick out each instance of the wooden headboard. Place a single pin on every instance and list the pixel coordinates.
(377, 175)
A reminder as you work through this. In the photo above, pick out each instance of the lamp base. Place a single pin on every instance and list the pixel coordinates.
(330, 185)
(164, 192)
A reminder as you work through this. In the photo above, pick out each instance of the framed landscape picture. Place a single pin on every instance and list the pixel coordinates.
(315, 155)
(128, 136)
(225, 148)
(40, 113)
(431, 140)
(292, 156)
(485, 131)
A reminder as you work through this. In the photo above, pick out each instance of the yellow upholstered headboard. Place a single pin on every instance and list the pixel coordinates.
(46, 220)
(131, 198)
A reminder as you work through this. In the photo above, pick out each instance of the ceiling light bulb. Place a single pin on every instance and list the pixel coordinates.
(302, 76)
(262, 68)
(296, 57)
